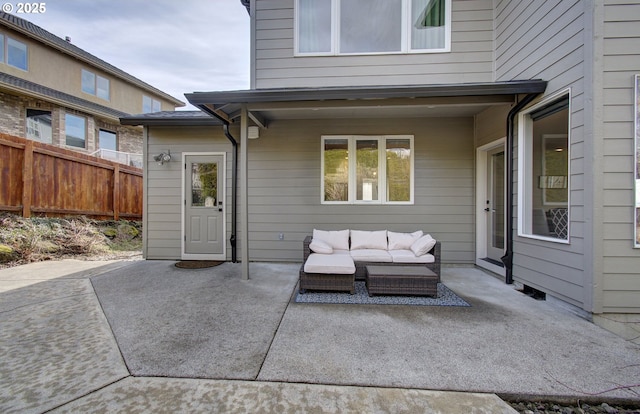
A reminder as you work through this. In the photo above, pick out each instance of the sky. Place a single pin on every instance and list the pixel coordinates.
(177, 46)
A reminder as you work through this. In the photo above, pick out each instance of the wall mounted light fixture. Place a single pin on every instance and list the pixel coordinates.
(162, 157)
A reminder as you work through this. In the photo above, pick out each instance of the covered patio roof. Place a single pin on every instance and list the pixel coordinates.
(460, 99)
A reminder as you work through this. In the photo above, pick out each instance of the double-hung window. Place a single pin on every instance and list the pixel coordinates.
(367, 169)
(337, 27)
(95, 85)
(544, 169)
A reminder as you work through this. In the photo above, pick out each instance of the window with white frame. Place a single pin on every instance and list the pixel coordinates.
(150, 105)
(95, 85)
(14, 53)
(544, 169)
(334, 27)
(367, 169)
(637, 163)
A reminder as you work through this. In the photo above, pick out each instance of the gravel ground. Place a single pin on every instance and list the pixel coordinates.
(580, 408)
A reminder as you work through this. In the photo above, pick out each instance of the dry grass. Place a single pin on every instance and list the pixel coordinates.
(38, 239)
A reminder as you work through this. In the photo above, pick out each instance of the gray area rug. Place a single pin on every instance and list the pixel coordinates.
(446, 297)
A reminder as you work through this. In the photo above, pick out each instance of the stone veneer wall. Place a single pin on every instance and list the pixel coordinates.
(13, 122)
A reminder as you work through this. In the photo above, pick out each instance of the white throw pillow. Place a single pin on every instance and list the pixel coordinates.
(338, 240)
(423, 245)
(319, 246)
(402, 241)
(368, 239)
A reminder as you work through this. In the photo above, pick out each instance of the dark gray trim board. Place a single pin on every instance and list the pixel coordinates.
(366, 92)
(171, 118)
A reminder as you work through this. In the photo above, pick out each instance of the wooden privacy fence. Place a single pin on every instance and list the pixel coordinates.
(40, 179)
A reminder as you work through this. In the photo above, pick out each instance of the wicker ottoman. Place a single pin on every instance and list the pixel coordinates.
(401, 280)
(327, 281)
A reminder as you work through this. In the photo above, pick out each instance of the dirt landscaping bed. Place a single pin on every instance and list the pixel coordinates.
(40, 238)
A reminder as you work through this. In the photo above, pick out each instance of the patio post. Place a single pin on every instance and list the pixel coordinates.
(244, 193)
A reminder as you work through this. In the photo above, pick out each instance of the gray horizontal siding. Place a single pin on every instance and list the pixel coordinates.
(470, 59)
(284, 187)
(621, 61)
(164, 184)
(543, 39)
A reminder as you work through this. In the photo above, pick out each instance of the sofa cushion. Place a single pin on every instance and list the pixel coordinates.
(336, 239)
(402, 241)
(320, 246)
(423, 245)
(407, 256)
(329, 263)
(368, 239)
(371, 255)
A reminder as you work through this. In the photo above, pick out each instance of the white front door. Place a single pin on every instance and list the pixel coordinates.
(495, 204)
(203, 225)
(491, 199)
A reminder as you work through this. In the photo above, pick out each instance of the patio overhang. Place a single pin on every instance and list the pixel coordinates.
(264, 105)
(261, 106)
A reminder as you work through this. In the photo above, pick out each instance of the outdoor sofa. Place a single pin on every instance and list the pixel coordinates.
(332, 257)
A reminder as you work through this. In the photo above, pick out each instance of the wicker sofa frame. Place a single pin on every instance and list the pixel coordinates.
(330, 282)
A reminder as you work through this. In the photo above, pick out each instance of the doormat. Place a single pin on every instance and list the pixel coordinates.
(197, 264)
(446, 297)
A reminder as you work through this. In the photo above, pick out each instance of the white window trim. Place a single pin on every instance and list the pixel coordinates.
(524, 170)
(405, 33)
(636, 175)
(382, 169)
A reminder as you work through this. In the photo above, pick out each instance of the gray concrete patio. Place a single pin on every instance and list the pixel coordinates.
(145, 335)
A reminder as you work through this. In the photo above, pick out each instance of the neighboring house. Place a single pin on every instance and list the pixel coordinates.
(54, 92)
(503, 128)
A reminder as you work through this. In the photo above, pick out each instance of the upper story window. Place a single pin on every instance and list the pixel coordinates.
(367, 169)
(14, 53)
(338, 27)
(150, 105)
(95, 85)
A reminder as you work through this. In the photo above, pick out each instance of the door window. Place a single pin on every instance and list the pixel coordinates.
(204, 184)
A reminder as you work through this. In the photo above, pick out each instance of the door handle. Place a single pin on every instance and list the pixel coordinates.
(487, 209)
(220, 209)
